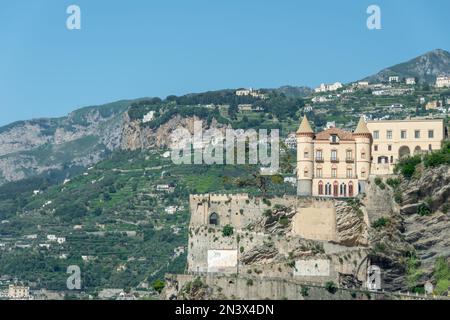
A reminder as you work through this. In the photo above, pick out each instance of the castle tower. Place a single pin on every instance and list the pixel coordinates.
(305, 158)
(363, 156)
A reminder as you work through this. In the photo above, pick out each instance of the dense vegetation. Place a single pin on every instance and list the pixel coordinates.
(407, 166)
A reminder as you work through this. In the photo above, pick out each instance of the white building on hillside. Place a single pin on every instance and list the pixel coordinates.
(328, 87)
(442, 82)
(410, 81)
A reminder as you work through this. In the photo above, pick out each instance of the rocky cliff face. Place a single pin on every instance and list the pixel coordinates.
(31, 147)
(137, 135)
(410, 231)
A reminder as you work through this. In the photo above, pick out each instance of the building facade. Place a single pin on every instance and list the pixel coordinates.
(442, 82)
(338, 163)
(18, 292)
(333, 163)
(394, 139)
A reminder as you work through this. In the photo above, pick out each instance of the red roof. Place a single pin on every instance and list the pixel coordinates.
(342, 134)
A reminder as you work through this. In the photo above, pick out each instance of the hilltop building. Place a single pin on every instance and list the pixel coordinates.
(337, 163)
(328, 87)
(410, 81)
(442, 82)
(394, 79)
(17, 292)
(334, 162)
(250, 92)
(395, 139)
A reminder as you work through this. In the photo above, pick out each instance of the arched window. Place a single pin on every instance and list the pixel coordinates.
(214, 219)
(343, 190)
(328, 189)
(350, 189)
(320, 188)
(363, 173)
(305, 172)
(336, 189)
(417, 150)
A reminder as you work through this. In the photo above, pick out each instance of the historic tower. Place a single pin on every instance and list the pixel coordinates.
(305, 158)
(363, 139)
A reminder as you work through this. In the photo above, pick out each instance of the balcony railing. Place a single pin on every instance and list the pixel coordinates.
(334, 160)
(320, 159)
(349, 160)
(340, 176)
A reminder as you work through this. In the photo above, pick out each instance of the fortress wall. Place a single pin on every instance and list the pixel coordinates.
(315, 220)
(315, 223)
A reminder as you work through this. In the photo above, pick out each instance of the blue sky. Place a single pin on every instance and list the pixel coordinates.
(138, 48)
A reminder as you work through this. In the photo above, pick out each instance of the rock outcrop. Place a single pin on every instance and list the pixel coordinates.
(408, 231)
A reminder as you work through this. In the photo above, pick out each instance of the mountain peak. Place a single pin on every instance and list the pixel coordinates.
(425, 68)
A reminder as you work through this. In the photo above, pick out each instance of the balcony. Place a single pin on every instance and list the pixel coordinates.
(338, 177)
(350, 160)
(320, 159)
(334, 160)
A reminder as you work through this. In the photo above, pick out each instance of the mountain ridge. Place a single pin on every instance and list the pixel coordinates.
(425, 68)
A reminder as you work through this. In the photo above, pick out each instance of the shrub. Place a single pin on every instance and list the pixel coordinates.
(398, 197)
(393, 183)
(197, 284)
(438, 158)
(413, 271)
(249, 282)
(241, 249)
(158, 285)
(284, 221)
(380, 223)
(407, 166)
(331, 287)
(268, 213)
(304, 291)
(227, 231)
(378, 181)
(441, 274)
(424, 210)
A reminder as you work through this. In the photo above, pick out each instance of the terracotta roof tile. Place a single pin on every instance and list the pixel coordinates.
(342, 134)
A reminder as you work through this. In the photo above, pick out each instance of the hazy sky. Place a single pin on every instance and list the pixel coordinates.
(137, 48)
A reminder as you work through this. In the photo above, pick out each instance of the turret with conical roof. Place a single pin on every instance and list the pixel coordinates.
(363, 139)
(362, 127)
(305, 158)
(305, 128)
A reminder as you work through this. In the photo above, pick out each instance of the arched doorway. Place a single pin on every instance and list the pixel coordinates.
(320, 188)
(328, 189)
(404, 152)
(214, 219)
(336, 189)
(417, 150)
(343, 190)
(350, 189)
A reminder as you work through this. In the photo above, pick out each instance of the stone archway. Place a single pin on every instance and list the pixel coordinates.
(417, 150)
(404, 152)
(214, 219)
